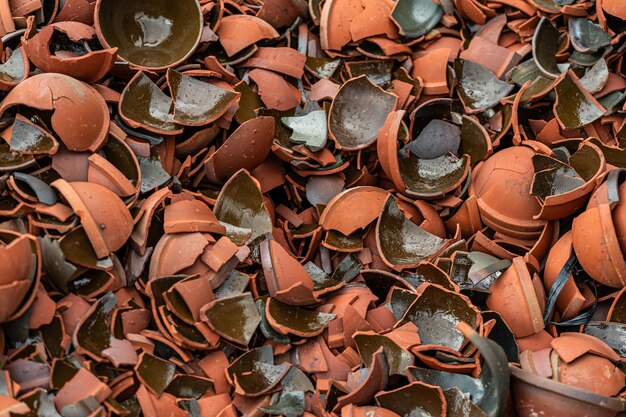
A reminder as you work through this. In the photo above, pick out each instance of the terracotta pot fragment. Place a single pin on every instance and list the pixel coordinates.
(515, 284)
(83, 65)
(82, 106)
(155, 38)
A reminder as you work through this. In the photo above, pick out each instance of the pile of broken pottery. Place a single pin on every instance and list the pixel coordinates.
(354, 208)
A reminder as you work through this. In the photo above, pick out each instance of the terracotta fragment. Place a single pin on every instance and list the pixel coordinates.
(190, 216)
(282, 60)
(196, 102)
(85, 65)
(253, 136)
(82, 106)
(516, 284)
(431, 67)
(507, 218)
(84, 385)
(161, 39)
(219, 312)
(233, 40)
(343, 130)
(275, 92)
(183, 239)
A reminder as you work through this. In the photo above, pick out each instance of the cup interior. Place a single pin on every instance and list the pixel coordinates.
(152, 34)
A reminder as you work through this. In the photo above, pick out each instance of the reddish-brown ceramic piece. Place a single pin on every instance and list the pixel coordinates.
(534, 394)
(615, 8)
(570, 300)
(564, 204)
(104, 216)
(245, 148)
(375, 380)
(286, 279)
(279, 13)
(190, 216)
(82, 386)
(335, 20)
(15, 69)
(22, 272)
(76, 10)
(341, 212)
(592, 373)
(492, 56)
(571, 346)
(537, 341)
(538, 362)
(374, 19)
(90, 67)
(324, 90)
(501, 186)
(237, 32)
(358, 112)
(158, 38)
(511, 288)
(102, 172)
(351, 410)
(597, 246)
(282, 60)
(275, 92)
(71, 102)
(431, 66)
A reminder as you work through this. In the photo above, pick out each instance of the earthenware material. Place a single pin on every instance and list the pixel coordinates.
(245, 148)
(597, 245)
(432, 68)
(144, 105)
(72, 103)
(511, 288)
(416, 397)
(336, 217)
(571, 346)
(491, 185)
(614, 7)
(67, 37)
(220, 315)
(350, 121)
(72, 10)
(423, 178)
(198, 103)
(486, 52)
(479, 88)
(287, 319)
(104, 216)
(155, 36)
(580, 109)
(561, 198)
(416, 18)
(275, 92)
(443, 309)
(335, 23)
(286, 279)
(240, 204)
(14, 69)
(570, 301)
(22, 272)
(545, 45)
(346, 207)
(282, 60)
(535, 394)
(190, 216)
(237, 32)
(401, 243)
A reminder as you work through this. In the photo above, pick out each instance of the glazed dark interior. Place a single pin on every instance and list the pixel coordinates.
(151, 34)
